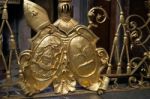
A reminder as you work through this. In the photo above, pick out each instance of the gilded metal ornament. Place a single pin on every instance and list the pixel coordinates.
(61, 54)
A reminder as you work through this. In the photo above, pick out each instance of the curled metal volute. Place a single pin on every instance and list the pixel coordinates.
(104, 57)
(133, 82)
(97, 15)
(115, 83)
(24, 57)
(36, 16)
(138, 27)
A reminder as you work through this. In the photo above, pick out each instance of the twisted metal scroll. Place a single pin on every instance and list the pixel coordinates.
(97, 15)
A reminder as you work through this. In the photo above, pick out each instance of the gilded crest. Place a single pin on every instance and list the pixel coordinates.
(62, 55)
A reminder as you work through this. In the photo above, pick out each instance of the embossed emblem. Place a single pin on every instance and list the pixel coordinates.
(61, 55)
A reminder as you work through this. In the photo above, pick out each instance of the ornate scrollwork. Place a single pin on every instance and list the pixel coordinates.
(139, 34)
(97, 15)
(136, 29)
(133, 82)
(102, 53)
(61, 54)
(140, 66)
(134, 62)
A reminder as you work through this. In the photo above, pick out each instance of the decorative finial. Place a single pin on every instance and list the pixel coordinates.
(65, 8)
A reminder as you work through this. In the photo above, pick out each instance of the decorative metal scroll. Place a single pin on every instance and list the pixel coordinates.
(134, 30)
(135, 67)
(97, 15)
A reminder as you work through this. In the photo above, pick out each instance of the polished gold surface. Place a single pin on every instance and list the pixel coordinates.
(64, 54)
(35, 15)
(61, 54)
